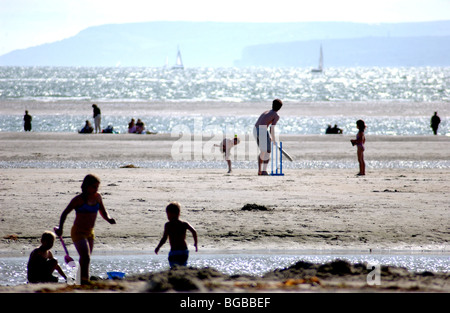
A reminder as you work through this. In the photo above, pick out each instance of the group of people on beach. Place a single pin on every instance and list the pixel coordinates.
(87, 205)
(136, 127)
(264, 133)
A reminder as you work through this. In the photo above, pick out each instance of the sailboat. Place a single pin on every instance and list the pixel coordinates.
(179, 63)
(320, 68)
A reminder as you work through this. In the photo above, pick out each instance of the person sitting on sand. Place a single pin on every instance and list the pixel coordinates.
(359, 142)
(225, 148)
(132, 126)
(42, 264)
(175, 230)
(86, 206)
(140, 126)
(87, 129)
(263, 139)
(333, 130)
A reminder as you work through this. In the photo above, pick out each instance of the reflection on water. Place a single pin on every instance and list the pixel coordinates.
(225, 84)
(13, 269)
(193, 164)
(297, 125)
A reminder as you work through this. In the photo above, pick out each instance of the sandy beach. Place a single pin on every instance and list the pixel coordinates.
(308, 208)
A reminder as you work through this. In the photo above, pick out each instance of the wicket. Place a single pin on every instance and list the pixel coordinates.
(278, 159)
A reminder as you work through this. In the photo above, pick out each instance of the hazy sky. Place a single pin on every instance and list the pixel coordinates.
(26, 23)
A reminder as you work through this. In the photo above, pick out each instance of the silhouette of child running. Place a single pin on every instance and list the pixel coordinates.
(175, 230)
(86, 206)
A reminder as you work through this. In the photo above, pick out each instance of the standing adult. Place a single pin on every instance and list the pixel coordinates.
(27, 122)
(435, 121)
(97, 119)
(263, 138)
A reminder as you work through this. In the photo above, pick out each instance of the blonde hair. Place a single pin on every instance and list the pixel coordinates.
(48, 235)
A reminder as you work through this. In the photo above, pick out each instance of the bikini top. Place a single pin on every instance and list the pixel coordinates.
(358, 137)
(86, 208)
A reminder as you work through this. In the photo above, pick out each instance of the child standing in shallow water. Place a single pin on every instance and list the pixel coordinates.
(359, 142)
(86, 206)
(175, 230)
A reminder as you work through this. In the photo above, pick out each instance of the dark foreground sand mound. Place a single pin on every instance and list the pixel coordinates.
(336, 276)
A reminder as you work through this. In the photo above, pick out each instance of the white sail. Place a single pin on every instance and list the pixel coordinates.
(320, 68)
(179, 61)
(321, 59)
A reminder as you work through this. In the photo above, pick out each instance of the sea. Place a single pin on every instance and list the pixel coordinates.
(426, 86)
(13, 269)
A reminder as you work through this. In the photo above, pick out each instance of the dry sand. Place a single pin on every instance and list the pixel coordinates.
(308, 208)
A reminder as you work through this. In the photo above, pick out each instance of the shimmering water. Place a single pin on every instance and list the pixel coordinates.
(225, 85)
(13, 269)
(203, 164)
(399, 125)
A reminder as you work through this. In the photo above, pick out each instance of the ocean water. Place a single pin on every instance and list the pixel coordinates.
(397, 85)
(13, 269)
(225, 84)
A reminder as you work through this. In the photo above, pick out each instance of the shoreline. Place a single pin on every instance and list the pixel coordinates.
(52, 147)
(224, 108)
(13, 253)
(337, 274)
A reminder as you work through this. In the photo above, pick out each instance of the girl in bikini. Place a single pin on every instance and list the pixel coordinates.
(359, 142)
(86, 206)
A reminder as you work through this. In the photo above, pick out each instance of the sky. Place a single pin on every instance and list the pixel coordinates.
(28, 23)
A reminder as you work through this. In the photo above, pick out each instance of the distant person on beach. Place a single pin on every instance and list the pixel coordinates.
(175, 230)
(140, 126)
(86, 206)
(108, 130)
(27, 121)
(42, 264)
(359, 142)
(225, 148)
(87, 129)
(261, 133)
(333, 130)
(97, 118)
(132, 126)
(435, 121)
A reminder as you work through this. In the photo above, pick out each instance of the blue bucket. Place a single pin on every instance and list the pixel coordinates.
(112, 275)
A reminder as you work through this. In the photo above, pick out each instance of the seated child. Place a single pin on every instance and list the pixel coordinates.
(42, 264)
